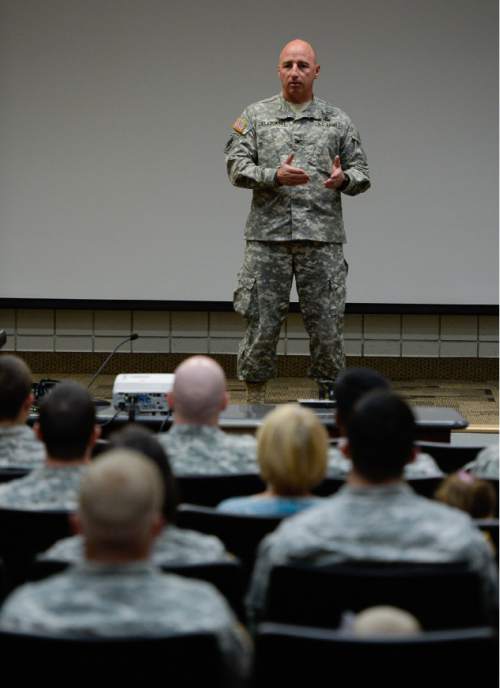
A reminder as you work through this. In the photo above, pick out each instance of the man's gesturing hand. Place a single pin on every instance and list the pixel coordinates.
(337, 177)
(291, 176)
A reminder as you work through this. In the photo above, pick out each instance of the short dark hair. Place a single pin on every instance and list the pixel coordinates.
(351, 385)
(67, 419)
(143, 440)
(15, 385)
(381, 433)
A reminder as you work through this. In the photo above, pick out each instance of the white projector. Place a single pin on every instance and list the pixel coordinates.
(147, 392)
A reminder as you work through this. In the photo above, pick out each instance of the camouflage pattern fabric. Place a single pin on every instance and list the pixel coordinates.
(376, 523)
(485, 465)
(207, 450)
(266, 134)
(173, 546)
(262, 298)
(423, 466)
(125, 600)
(44, 489)
(19, 447)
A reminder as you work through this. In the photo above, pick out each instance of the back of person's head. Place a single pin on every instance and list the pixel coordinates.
(385, 620)
(381, 433)
(292, 448)
(143, 440)
(67, 421)
(15, 386)
(121, 496)
(472, 495)
(199, 391)
(351, 385)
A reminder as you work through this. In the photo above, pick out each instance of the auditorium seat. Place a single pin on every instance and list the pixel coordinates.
(183, 660)
(449, 457)
(240, 534)
(25, 533)
(210, 490)
(439, 595)
(8, 474)
(302, 656)
(490, 526)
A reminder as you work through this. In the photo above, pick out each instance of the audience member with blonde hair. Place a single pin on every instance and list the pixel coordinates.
(117, 591)
(292, 447)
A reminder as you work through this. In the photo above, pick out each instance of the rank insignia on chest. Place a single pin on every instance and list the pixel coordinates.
(240, 126)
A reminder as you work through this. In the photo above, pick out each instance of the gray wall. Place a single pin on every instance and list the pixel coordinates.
(114, 114)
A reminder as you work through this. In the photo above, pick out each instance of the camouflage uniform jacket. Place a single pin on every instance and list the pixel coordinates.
(383, 523)
(423, 466)
(134, 599)
(263, 137)
(44, 489)
(173, 546)
(207, 450)
(19, 447)
(485, 465)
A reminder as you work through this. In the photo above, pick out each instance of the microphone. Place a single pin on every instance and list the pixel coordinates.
(130, 338)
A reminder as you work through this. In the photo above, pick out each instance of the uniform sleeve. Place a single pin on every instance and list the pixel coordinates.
(354, 164)
(242, 157)
(270, 554)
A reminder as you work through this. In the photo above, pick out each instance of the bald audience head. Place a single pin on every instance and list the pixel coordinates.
(15, 390)
(385, 621)
(199, 392)
(121, 497)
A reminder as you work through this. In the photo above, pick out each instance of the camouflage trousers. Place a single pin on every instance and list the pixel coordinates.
(262, 298)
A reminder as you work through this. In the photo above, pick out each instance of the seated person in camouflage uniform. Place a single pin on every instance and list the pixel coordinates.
(173, 545)
(67, 428)
(195, 444)
(376, 516)
(485, 465)
(117, 591)
(291, 450)
(350, 386)
(19, 446)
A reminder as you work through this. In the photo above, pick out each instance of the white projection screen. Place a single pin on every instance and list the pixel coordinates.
(114, 115)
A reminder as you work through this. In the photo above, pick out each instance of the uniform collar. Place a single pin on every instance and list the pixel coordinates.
(313, 111)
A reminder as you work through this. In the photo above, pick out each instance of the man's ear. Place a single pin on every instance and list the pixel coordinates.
(413, 454)
(171, 400)
(159, 522)
(75, 524)
(94, 436)
(345, 448)
(37, 430)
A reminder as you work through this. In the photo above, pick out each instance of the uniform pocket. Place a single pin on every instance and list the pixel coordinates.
(244, 297)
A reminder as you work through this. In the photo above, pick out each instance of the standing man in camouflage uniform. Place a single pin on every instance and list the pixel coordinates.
(298, 154)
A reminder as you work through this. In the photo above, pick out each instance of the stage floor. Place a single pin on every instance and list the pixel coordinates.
(475, 401)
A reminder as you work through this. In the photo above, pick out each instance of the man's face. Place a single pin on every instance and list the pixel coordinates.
(297, 70)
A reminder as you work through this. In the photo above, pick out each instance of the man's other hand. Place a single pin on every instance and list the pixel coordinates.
(337, 178)
(287, 175)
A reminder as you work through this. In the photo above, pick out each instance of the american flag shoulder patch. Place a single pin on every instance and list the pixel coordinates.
(240, 126)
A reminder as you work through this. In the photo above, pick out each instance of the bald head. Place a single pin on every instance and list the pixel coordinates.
(121, 497)
(297, 45)
(297, 69)
(199, 392)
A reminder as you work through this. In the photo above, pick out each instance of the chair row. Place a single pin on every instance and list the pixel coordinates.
(284, 655)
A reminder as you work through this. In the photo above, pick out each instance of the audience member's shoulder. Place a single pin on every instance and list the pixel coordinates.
(183, 546)
(485, 465)
(19, 447)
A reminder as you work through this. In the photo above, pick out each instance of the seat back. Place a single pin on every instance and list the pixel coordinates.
(240, 534)
(25, 533)
(293, 655)
(449, 457)
(490, 526)
(113, 661)
(439, 595)
(8, 474)
(210, 490)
